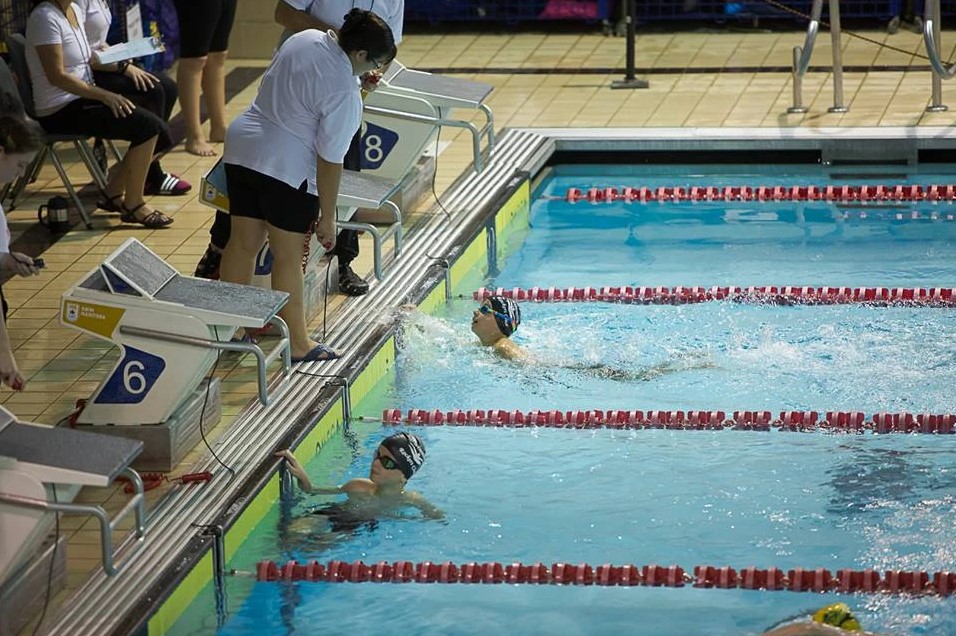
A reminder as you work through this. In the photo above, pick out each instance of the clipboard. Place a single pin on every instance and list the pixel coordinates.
(129, 50)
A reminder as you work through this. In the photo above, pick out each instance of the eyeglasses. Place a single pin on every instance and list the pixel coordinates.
(486, 309)
(387, 462)
(376, 62)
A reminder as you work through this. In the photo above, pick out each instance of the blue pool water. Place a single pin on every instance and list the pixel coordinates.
(668, 497)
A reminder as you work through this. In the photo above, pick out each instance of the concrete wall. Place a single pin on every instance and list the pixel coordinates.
(254, 33)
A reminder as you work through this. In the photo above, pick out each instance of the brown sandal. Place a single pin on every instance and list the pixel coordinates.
(154, 220)
(110, 203)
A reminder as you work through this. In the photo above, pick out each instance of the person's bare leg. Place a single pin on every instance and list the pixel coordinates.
(214, 89)
(134, 168)
(189, 78)
(116, 185)
(287, 248)
(239, 257)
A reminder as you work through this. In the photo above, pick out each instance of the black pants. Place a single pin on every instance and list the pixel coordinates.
(346, 243)
(89, 117)
(158, 100)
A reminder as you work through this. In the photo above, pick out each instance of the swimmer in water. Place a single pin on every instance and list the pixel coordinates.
(498, 317)
(382, 493)
(832, 620)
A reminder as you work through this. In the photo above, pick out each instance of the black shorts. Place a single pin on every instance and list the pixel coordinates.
(90, 117)
(204, 26)
(258, 196)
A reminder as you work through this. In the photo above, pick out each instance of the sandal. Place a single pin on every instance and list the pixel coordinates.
(109, 203)
(154, 220)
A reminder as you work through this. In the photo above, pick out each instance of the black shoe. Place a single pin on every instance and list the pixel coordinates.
(350, 283)
(99, 155)
(208, 266)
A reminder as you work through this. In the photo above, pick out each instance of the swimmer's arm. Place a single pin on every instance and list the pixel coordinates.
(300, 475)
(428, 509)
(358, 486)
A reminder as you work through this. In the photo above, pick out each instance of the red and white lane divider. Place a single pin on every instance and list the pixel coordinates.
(836, 421)
(788, 295)
(834, 193)
(705, 576)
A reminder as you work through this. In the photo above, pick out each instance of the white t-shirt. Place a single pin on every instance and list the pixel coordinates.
(4, 233)
(308, 104)
(48, 25)
(98, 19)
(332, 12)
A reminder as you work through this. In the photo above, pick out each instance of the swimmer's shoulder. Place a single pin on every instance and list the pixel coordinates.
(359, 486)
(507, 348)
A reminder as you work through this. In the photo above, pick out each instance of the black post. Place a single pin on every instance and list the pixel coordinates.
(629, 80)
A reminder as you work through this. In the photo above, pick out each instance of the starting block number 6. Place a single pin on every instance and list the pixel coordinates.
(132, 378)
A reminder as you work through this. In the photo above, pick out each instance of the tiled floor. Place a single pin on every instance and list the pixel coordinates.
(725, 79)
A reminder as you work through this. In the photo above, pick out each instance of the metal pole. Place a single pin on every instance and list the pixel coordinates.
(838, 106)
(936, 105)
(629, 80)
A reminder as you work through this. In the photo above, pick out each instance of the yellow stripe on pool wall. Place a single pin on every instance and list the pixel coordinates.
(166, 616)
(472, 263)
(513, 217)
(379, 367)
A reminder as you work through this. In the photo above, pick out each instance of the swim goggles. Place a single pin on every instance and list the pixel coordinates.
(486, 309)
(387, 462)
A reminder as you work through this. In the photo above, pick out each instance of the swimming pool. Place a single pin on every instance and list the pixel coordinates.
(717, 497)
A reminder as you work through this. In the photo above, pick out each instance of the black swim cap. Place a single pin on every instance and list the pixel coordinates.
(408, 451)
(506, 307)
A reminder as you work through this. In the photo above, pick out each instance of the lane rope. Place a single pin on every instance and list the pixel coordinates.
(768, 294)
(788, 421)
(831, 193)
(705, 576)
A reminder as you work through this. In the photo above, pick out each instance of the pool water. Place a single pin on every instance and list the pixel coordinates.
(767, 499)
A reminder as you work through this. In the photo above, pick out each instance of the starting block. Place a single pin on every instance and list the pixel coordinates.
(42, 468)
(170, 329)
(356, 190)
(405, 112)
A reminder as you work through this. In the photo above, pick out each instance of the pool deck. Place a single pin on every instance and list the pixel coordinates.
(714, 79)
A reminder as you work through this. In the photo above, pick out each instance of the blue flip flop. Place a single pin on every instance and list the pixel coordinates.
(319, 353)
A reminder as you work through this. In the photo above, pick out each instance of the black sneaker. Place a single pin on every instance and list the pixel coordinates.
(99, 155)
(350, 283)
(208, 266)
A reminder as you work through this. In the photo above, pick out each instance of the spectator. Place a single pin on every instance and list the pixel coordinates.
(19, 142)
(283, 157)
(204, 27)
(324, 15)
(68, 102)
(155, 92)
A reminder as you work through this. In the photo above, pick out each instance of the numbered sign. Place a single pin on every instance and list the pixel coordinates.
(377, 143)
(133, 378)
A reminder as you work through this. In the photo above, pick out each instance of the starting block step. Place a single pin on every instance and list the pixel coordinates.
(166, 444)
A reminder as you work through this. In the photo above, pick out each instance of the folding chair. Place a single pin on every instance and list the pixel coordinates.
(19, 84)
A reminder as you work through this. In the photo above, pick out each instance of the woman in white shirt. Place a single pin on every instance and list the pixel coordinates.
(283, 157)
(68, 102)
(295, 16)
(19, 141)
(156, 92)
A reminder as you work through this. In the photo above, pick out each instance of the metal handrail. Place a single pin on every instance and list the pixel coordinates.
(931, 37)
(802, 55)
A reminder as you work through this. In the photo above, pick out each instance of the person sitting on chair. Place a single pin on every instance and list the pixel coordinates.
(156, 92)
(68, 102)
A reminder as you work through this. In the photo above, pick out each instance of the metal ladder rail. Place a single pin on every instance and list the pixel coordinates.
(931, 37)
(801, 58)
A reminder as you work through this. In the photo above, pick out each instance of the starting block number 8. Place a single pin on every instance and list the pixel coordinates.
(377, 144)
(132, 378)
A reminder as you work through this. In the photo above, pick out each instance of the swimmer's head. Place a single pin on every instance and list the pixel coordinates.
(495, 317)
(398, 457)
(837, 615)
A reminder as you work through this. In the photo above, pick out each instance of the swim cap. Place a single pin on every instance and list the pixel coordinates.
(506, 307)
(838, 615)
(408, 451)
